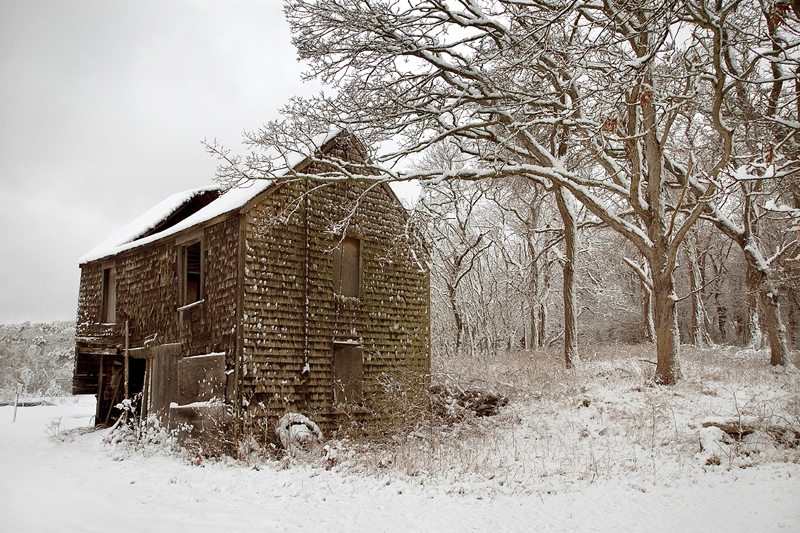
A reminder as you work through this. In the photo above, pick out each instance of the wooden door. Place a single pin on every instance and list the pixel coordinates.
(348, 374)
(163, 388)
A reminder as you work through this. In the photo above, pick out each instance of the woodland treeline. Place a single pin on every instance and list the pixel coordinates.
(38, 356)
(497, 255)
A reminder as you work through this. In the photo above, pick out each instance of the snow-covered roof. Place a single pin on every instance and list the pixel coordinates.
(135, 234)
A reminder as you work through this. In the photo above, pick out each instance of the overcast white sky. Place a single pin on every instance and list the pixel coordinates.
(103, 107)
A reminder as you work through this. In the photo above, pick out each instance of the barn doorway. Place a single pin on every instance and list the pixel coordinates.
(348, 373)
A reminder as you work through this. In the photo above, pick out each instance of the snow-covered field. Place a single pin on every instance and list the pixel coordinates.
(597, 451)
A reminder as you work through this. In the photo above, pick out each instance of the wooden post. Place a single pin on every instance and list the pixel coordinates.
(127, 374)
(16, 401)
(148, 387)
(99, 391)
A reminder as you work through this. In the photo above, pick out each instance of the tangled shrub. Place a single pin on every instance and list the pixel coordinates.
(133, 435)
(409, 401)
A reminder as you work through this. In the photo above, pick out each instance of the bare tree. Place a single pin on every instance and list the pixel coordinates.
(697, 331)
(754, 58)
(567, 209)
(531, 217)
(642, 270)
(457, 242)
(597, 99)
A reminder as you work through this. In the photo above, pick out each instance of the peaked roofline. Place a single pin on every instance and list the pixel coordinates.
(146, 222)
(239, 198)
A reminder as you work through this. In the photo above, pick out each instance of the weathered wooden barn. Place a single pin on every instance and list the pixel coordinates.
(259, 297)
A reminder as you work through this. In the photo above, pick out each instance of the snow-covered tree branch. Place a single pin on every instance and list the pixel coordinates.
(602, 101)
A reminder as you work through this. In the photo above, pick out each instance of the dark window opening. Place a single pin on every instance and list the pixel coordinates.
(347, 268)
(109, 311)
(193, 273)
(348, 374)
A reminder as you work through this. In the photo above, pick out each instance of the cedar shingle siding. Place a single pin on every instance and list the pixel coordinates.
(268, 301)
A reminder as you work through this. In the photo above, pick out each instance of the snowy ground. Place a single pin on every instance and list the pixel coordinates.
(610, 478)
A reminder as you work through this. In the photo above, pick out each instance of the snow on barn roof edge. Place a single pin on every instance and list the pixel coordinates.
(131, 235)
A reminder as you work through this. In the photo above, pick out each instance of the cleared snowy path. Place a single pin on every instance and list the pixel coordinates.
(49, 486)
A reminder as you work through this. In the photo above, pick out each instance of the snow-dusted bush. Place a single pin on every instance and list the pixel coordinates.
(132, 435)
(56, 432)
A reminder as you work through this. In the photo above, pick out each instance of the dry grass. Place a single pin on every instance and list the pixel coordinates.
(604, 419)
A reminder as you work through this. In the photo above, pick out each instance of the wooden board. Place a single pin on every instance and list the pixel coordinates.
(164, 378)
(201, 378)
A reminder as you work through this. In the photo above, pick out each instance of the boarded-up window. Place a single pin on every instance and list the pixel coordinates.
(109, 295)
(193, 272)
(347, 268)
(348, 374)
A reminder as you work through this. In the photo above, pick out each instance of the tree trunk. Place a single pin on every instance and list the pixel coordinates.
(458, 320)
(668, 369)
(542, 324)
(660, 258)
(647, 302)
(722, 322)
(722, 318)
(752, 331)
(791, 319)
(760, 283)
(538, 290)
(566, 208)
(541, 308)
(533, 299)
(571, 357)
(647, 311)
(533, 332)
(779, 351)
(698, 332)
(469, 341)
